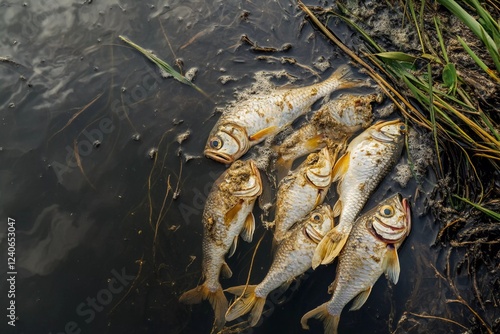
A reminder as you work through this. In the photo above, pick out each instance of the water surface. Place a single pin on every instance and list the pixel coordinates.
(89, 147)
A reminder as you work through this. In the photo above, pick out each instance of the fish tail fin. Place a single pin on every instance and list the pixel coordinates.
(247, 302)
(343, 75)
(329, 247)
(216, 298)
(330, 322)
(283, 166)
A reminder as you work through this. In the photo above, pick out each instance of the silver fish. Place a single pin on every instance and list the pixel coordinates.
(333, 123)
(293, 258)
(370, 251)
(227, 214)
(263, 115)
(302, 190)
(369, 157)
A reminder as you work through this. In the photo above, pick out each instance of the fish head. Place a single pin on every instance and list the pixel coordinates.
(389, 131)
(243, 177)
(319, 223)
(319, 168)
(227, 142)
(391, 220)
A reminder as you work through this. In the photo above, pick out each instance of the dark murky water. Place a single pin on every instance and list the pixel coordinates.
(98, 249)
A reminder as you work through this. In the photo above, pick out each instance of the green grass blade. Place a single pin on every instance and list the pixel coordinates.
(395, 55)
(437, 23)
(162, 65)
(469, 21)
(492, 214)
(478, 60)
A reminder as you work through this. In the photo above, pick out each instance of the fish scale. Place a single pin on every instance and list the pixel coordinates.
(278, 108)
(369, 157)
(366, 255)
(227, 214)
(297, 196)
(260, 116)
(293, 257)
(330, 125)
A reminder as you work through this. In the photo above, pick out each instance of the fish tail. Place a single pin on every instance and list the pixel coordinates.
(247, 302)
(330, 322)
(329, 247)
(343, 75)
(283, 166)
(216, 298)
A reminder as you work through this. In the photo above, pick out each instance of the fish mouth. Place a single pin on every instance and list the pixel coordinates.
(389, 233)
(379, 135)
(219, 156)
(312, 234)
(379, 125)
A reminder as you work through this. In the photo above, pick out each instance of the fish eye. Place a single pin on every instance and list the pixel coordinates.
(216, 143)
(387, 211)
(402, 127)
(317, 217)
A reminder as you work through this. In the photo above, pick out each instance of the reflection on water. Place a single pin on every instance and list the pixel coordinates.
(108, 201)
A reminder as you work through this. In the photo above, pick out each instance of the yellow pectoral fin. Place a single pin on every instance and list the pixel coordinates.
(360, 299)
(390, 264)
(337, 208)
(329, 248)
(341, 167)
(263, 133)
(226, 271)
(249, 228)
(231, 214)
(320, 197)
(315, 142)
(233, 247)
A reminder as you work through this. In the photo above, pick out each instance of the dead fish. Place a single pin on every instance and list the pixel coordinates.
(227, 214)
(333, 123)
(263, 115)
(368, 159)
(370, 251)
(302, 190)
(293, 258)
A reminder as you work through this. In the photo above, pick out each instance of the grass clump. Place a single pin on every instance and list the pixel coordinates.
(447, 104)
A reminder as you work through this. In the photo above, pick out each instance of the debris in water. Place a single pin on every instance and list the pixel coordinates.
(322, 64)
(152, 153)
(191, 73)
(183, 136)
(188, 156)
(192, 257)
(174, 228)
(224, 79)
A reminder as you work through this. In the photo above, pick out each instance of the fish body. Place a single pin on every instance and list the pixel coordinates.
(333, 123)
(293, 257)
(302, 190)
(227, 214)
(368, 159)
(263, 115)
(370, 251)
